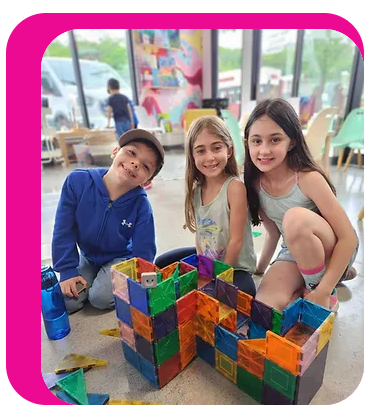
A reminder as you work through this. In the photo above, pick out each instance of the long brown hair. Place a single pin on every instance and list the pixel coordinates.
(299, 158)
(193, 177)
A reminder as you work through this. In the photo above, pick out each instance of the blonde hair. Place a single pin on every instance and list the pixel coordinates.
(193, 177)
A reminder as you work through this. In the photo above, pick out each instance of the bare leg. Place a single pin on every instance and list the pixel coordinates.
(309, 237)
(280, 285)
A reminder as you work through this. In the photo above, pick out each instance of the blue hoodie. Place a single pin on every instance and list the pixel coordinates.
(102, 229)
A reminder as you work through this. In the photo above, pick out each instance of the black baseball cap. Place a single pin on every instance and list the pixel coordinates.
(136, 134)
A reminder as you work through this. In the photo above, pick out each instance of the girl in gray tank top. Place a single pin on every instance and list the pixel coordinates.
(291, 195)
(216, 209)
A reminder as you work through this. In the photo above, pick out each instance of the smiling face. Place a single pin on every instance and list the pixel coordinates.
(268, 144)
(134, 164)
(210, 154)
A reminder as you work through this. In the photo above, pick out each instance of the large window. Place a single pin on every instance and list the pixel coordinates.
(277, 63)
(102, 55)
(58, 85)
(326, 69)
(230, 67)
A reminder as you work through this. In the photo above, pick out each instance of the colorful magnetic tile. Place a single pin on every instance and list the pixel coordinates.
(283, 352)
(169, 369)
(243, 331)
(186, 332)
(188, 282)
(166, 347)
(148, 371)
(244, 303)
(299, 334)
(162, 297)
(209, 288)
(122, 402)
(144, 266)
(123, 311)
(241, 319)
(205, 351)
(325, 332)
(226, 342)
(256, 331)
(93, 398)
(130, 355)
(249, 383)
(112, 332)
(227, 276)
(74, 362)
(226, 293)
(219, 267)
(169, 270)
(280, 379)
(74, 386)
(205, 266)
(291, 315)
(309, 352)
(230, 321)
(127, 267)
(251, 356)
(205, 329)
(142, 324)
(277, 322)
(186, 307)
(51, 378)
(145, 348)
(164, 323)
(261, 314)
(185, 268)
(313, 315)
(208, 307)
(119, 285)
(271, 396)
(127, 334)
(188, 352)
(225, 365)
(138, 296)
(192, 260)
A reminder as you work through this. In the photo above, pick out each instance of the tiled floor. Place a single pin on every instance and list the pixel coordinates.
(199, 384)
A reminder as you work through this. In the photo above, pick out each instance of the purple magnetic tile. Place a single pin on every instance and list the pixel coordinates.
(144, 348)
(209, 288)
(241, 319)
(226, 293)
(271, 396)
(165, 322)
(205, 267)
(261, 314)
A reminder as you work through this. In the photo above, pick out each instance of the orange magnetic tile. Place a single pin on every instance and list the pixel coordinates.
(283, 352)
(168, 270)
(230, 322)
(186, 306)
(142, 323)
(299, 334)
(205, 329)
(244, 303)
(325, 332)
(186, 331)
(251, 356)
(226, 365)
(208, 307)
(188, 352)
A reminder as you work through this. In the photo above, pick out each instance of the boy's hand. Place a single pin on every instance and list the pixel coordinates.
(69, 288)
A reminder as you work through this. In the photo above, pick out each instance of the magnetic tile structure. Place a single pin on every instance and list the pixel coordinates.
(196, 311)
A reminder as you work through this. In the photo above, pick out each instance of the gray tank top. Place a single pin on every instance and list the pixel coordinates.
(213, 225)
(275, 207)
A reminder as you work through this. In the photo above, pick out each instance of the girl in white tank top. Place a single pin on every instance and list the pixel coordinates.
(290, 194)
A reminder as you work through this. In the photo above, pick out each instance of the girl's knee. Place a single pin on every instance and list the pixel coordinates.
(295, 223)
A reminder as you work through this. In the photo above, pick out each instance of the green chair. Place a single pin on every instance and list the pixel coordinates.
(234, 129)
(351, 134)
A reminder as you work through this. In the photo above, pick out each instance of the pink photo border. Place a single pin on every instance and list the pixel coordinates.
(23, 68)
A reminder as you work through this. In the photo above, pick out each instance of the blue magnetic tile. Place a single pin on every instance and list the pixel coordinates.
(291, 315)
(226, 342)
(256, 331)
(145, 348)
(139, 296)
(177, 287)
(192, 260)
(51, 378)
(149, 371)
(209, 288)
(123, 311)
(241, 319)
(130, 355)
(261, 314)
(205, 351)
(313, 315)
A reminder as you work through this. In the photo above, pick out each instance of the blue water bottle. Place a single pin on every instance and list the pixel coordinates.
(53, 305)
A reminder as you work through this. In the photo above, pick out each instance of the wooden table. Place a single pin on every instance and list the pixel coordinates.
(70, 137)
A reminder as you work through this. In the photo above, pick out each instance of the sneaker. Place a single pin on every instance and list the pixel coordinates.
(334, 303)
(349, 274)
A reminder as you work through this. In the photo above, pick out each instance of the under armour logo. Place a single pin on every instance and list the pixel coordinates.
(129, 224)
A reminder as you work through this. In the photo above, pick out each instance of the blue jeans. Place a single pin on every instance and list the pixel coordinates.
(242, 279)
(122, 126)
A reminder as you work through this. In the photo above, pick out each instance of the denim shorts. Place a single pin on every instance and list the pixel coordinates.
(310, 284)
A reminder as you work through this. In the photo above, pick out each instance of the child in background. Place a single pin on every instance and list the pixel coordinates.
(292, 197)
(106, 214)
(122, 109)
(216, 203)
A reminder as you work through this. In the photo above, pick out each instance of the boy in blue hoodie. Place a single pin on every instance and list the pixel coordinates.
(106, 213)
